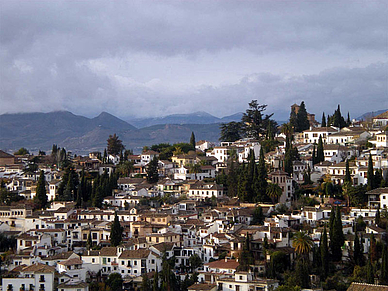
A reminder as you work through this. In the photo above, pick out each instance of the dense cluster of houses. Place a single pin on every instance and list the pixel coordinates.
(64, 247)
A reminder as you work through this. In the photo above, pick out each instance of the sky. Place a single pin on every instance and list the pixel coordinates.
(154, 58)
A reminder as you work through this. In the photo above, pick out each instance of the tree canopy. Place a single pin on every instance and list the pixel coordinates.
(115, 145)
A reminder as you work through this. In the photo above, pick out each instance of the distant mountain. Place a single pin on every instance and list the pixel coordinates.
(199, 117)
(230, 118)
(42, 130)
(81, 135)
(371, 114)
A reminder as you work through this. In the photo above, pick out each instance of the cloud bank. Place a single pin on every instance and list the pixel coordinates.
(149, 58)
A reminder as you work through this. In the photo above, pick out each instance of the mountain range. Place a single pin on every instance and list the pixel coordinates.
(80, 134)
(199, 117)
(39, 131)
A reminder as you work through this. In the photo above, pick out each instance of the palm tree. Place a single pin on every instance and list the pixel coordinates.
(274, 192)
(302, 243)
(195, 169)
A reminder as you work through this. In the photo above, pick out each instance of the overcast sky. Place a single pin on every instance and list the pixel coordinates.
(154, 58)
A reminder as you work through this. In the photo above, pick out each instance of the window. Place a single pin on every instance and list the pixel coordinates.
(93, 260)
(41, 278)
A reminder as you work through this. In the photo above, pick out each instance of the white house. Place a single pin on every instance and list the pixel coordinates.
(312, 135)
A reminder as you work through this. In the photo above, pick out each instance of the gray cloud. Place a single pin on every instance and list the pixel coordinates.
(149, 58)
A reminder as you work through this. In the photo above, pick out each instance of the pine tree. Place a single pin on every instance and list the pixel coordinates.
(192, 140)
(114, 145)
(320, 152)
(370, 174)
(41, 197)
(301, 118)
(116, 232)
(323, 123)
(324, 255)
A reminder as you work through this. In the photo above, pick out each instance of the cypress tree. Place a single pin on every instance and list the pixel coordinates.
(384, 265)
(262, 176)
(377, 217)
(192, 140)
(301, 118)
(338, 239)
(370, 277)
(331, 221)
(302, 273)
(323, 123)
(357, 253)
(314, 156)
(232, 179)
(251, 176)
(348, 121)
(370, 174)
(79, 197)
(293, 119)
(324, 254)
(373, 249)
(348, 178)
(116, 232)
(242, 185)
(155, 284)
(145, 284)
(89, 242)
(41, 197)
(98, 197)
(320, 152)
(152, 171)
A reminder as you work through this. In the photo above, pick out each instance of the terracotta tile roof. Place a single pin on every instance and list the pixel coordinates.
(202, 287)
(108, 251)
(163, 247)
(367, 287)
(378, 191)
(135, 254)
(223, 264)
(40, 268)
(72, 285)
(383, 115)
(61, 256)
(72, 262)
(5, 155)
